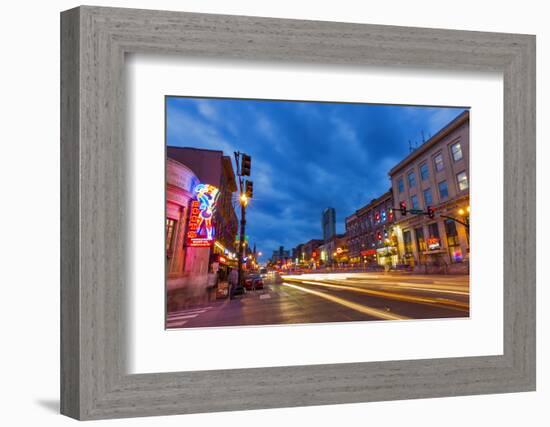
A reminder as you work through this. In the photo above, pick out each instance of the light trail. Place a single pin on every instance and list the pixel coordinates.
(380, 314)
(456, 305)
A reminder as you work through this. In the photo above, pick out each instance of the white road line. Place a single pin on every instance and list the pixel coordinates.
(265, 296)
(185, 316)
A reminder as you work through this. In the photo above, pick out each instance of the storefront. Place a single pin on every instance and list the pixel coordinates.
(387, 256)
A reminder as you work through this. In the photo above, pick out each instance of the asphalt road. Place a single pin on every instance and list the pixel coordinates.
(341, 297)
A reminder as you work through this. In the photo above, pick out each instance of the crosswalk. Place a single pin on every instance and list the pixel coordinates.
(179, 318)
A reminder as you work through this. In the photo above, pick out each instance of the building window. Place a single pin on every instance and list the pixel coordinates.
(456, 151)
(433, 242)
(455, 251)
(443, 190)
(170, 231)
(407, 240)
(400, 185)
(438, 162)
(420, 242)
(414, 201)
(427, 197)
(462, 180)
(424, 172)
(412, 179)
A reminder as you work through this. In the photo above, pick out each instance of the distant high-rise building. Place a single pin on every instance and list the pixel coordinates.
(328, 223)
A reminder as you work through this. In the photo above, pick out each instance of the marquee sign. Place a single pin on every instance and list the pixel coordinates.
(200, 229)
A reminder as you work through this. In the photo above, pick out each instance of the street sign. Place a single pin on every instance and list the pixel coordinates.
(416, 211)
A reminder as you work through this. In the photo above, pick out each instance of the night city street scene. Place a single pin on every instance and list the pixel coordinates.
(300, 212)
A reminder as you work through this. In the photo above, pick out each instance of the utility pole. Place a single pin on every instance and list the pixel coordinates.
(243, 162)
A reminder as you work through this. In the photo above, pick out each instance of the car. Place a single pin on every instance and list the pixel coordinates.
(253, 281)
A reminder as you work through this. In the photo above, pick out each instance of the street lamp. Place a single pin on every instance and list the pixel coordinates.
(244, 199)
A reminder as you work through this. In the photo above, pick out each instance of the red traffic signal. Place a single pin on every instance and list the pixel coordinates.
(431, 212)
(403, 208)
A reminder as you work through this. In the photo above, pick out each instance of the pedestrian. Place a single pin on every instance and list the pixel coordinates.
(232, 280)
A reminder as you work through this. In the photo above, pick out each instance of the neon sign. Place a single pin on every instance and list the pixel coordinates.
(433, 243)
(200, 230)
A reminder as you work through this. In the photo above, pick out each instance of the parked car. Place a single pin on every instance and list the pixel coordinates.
(253, 281)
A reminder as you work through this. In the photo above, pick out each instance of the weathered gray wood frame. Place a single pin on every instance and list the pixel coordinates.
(94, 41)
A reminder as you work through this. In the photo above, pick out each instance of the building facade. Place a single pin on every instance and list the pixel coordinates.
(214, 184)
(280, 256)
(311, 255)
(371, 234)
(435, 175)
(180, 182)
(328, 223)
(334, 252)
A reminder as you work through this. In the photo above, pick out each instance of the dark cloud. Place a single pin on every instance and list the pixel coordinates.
(306, 156)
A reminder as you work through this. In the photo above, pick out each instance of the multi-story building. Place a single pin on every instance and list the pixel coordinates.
(210, 222)
(334, 251)
(180, 183)
(371, 235)
(310, 253)
(213, 167)
(436, 174)
(280, 256)
(328, 223)
(298, 254)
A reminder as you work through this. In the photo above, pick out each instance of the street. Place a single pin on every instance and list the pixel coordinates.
(338, 297)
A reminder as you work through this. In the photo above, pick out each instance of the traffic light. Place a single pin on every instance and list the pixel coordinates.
(246, 162)
(403, 208)
(379, 236)
(431, 212)
(249, 189)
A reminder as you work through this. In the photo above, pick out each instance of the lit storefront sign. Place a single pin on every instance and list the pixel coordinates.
(368, 252)
(433, 243)
(200, 229)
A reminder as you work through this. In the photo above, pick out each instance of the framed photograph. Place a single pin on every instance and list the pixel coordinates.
(262, 213)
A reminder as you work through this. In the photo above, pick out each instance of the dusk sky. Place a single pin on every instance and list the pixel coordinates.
(306, 156)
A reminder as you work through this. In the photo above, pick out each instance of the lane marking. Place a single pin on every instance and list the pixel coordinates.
(380, 314)
(183, 316)
(265, 296)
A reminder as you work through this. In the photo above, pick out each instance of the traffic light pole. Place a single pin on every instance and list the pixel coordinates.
(243, 168)
(421, 212)
(465, 224)
(241, 244)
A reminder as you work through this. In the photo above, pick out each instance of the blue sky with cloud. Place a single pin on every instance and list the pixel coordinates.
(306, 156)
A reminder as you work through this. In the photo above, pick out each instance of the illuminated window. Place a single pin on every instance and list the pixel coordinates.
(443, 190)
(420, 242)
(407, 241)
(424, 172)
(411, 178)
(456, 151)
(438, 162)
(462, 181)
(455, 251)
(170, 231)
